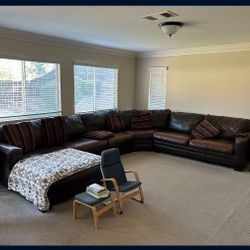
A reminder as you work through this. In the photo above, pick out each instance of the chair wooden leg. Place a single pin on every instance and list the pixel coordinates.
(95, 215)
(141, 194)
(74, 209)
(121, 204)
(119, 198)
(113, 206)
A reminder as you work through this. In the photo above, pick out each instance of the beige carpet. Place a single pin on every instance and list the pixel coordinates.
(186, 202)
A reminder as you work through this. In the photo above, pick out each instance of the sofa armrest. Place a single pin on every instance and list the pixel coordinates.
(9, 156)
(246, 135)
(241, 151)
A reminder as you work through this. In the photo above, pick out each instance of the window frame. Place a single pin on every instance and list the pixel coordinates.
(115, 67)
(25, 117)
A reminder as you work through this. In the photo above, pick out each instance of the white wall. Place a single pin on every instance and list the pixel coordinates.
(22, 45)
(217, 83)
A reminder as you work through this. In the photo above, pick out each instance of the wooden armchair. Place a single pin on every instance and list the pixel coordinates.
(114, 178)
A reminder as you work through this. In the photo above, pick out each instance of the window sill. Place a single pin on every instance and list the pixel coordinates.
(27, 117)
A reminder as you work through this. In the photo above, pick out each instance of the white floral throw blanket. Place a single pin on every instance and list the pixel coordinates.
(32, 177)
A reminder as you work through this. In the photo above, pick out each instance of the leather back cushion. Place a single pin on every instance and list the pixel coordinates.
(54, 131)
(229, 126)
(115, 122)
(74, 126)
(140, 120)
(2, 137)
(20, 135)
(38, 133)
(159, 118)
(184, 122)
(95, 120)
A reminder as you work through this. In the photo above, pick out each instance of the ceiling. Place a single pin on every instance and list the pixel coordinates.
(123, 27)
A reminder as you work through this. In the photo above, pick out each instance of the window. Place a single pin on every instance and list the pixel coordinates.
(157, 88)
(95, 88)
(28, 88)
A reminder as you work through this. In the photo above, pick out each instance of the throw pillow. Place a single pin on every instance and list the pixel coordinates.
(140, 120)
(54, 131)
(115, 122)
(205, 130)
(99, 135)
(20, 135)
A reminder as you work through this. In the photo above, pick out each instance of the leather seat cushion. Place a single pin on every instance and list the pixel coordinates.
(127, 186)
(87, 144)
(120, 139)
(174, 137)
(142, 134)
(219, 145)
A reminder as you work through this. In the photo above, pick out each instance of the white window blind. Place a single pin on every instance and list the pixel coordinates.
(157, 88)
(28, 89)
(95, 88)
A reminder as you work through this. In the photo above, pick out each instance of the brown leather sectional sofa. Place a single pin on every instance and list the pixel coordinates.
(170, 132)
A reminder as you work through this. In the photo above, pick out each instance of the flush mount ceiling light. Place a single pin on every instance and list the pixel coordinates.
(170, 28)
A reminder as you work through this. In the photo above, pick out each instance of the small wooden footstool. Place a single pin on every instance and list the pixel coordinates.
(92, 202)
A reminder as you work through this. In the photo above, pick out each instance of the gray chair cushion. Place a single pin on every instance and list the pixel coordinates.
(88, 199)
(112, 167)
(130, 185)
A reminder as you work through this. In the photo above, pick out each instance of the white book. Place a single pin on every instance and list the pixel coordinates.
(96, 188)
(96, 195)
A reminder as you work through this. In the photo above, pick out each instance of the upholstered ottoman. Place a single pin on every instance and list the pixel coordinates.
(92, 202)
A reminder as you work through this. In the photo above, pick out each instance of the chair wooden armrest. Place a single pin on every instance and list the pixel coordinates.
(133, 172)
